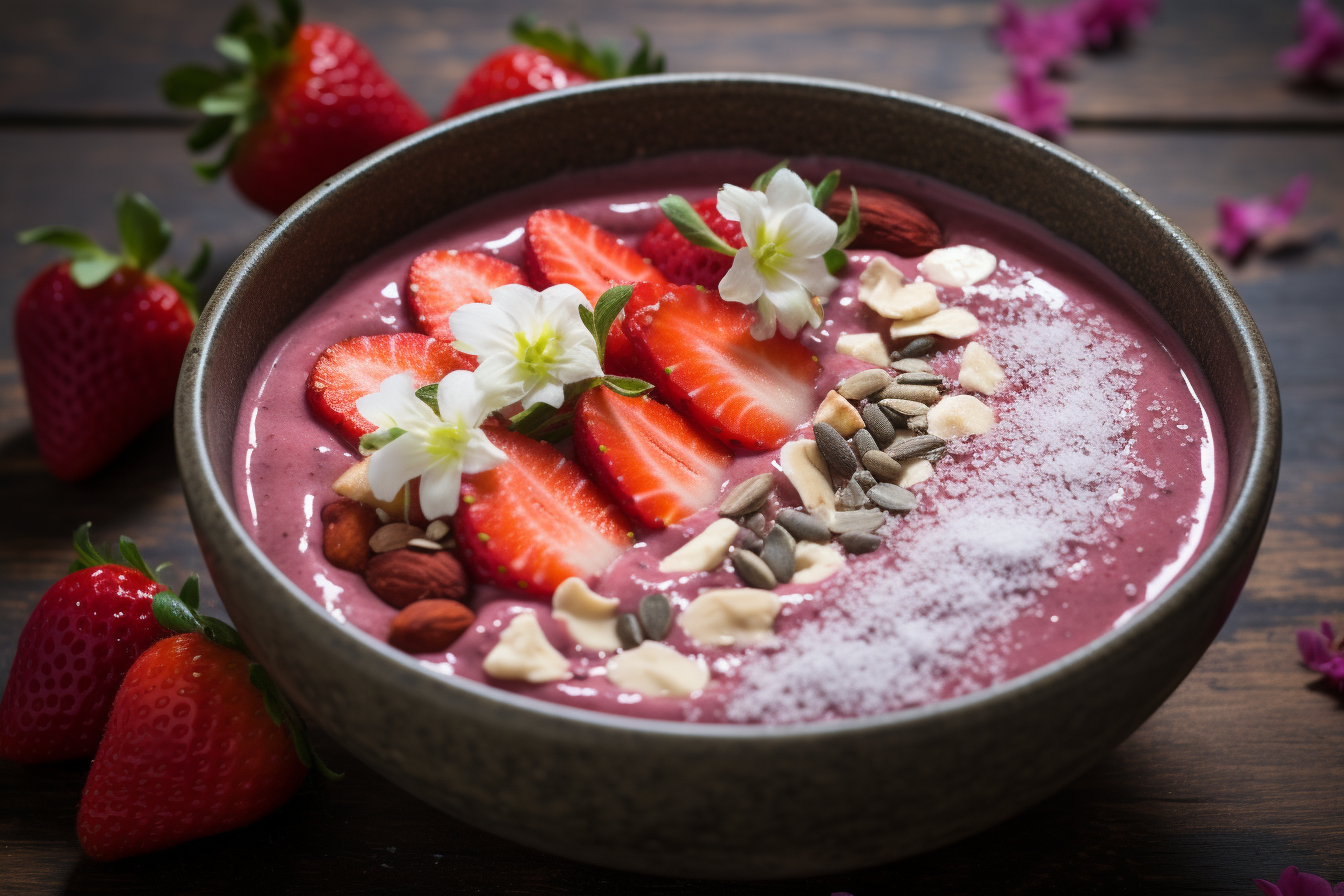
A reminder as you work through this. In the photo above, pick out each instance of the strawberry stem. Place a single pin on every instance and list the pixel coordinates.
(602, 64)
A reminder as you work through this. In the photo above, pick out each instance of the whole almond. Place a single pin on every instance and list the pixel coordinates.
(404, 576)
(346, 527)
(427, 626)
(886, 221)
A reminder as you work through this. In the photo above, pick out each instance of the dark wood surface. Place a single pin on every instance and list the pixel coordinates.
(1240, 773)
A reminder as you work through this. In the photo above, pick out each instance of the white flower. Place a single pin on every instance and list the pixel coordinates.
(438, 448)
(781, 267)
(530, 343)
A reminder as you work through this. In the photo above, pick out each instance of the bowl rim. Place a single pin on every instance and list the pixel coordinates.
(1240, 516)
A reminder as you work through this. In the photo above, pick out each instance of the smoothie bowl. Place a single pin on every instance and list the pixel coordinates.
(783, 585)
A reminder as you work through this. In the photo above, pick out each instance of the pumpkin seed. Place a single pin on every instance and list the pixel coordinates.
(803, 526)
(864, 383)
(919, 378)
(911, 365)
(882, 466)
(628, 630)
(863, 442)
(918, 347)
(892, 497)
(748, 497)
(878, 426)
(860, 542)
(748, 540)
(778, 553)
(835, 450)
(856, 521)
(919, 446)
(756, 523)
(921, 394)
(752, 570)
(903, 407)
(655, 615)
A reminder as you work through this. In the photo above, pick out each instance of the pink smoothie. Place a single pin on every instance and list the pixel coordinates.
(1091, 494)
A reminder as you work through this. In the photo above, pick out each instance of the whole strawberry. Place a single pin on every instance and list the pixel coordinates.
(73, 652)
(545, 59)
(298, 102)
(101, 339)
(200, 741)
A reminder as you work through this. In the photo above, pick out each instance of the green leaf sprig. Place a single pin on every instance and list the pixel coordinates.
(145, 236)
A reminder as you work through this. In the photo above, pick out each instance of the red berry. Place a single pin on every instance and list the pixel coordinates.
(660, 467)
(698, 351)
(99, 364)
(512, 72)
(686, 263)
(84, 634)
(536, 519)
(443, 280)
(349, 370)
(189, 751)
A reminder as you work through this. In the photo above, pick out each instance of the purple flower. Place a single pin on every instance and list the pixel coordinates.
(1102, 22)
(1034, 105)
(1241, 223)
(1322, 653)
(1294, 883)
(1321, 35)
(1043, 40)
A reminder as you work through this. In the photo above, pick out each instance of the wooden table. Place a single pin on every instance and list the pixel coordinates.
(1238, 775)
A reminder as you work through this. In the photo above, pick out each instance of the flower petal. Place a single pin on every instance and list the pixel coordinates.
(746, 206)
(764, 325)
(806, 232)
(743, 283)
(440, 487)
(480, 454)
(480, 329)
(396, 463)
(786, 190)
(548, 391)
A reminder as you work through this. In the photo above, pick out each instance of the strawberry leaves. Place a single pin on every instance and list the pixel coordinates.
(689, 224)
(87, 555)
(602, 63)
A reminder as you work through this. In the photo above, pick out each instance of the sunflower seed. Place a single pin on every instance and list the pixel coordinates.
(756, 523)
(919, 446)
(865, 479)
(863, 442)
(748, 540)
(919, 378)
(778, 553)
(436, 530)
(393, 536)
(903, 407)
(655, 616)
(893, 497)
(748, 497)
(628, 630)
(856, 521)
(918, 424)
(850, 496)
(424, 544)
(803, 526)
(911, 365)
(835, 449)
(860, 542)
(882, 466)
(752, 570)
(864, 383)
(922, 394)
(917, 347)
(878, 426)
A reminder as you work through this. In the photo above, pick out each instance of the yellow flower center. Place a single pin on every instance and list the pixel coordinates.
(448, 440)
(536, 356)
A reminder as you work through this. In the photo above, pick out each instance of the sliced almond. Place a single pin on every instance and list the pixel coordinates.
(879, 275)
(814, 562)
(394, 536)
(703, 552)
(656, 670)
(864, 346)
(436, 531)
(354, 484)
(912, 365)
(950, 323)
(958, 265)
(723, 617)
(524, 654)
(590, 617)
(806, 470)
(883, 289)
(960, 415)
(979, 371)
(839, 413)
(914, 472)
(856, 521)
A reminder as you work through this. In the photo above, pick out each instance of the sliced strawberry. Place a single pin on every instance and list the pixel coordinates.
(684, 262)
(562, 248)
(698, 350)
(536, 519)
(442, 281)
(660, 467)
(349, 370)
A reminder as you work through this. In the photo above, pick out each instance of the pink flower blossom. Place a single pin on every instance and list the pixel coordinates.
(1294, 883)
(1034, 105)
(1241, 223)
(1103, 22)
(1322, 653)
(1043, 40)
(1321, 35)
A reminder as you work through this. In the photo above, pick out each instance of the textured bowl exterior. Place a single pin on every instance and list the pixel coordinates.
(720, 800)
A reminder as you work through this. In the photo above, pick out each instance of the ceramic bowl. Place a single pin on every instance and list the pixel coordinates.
(720, 800)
